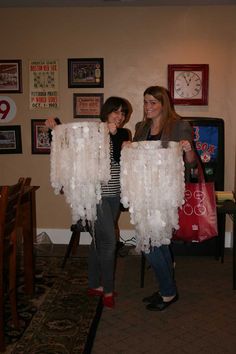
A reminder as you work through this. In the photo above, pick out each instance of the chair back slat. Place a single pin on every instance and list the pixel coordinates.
(26, 180)
(10, 197)
(11, 201)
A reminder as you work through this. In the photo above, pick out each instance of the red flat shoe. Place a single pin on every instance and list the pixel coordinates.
(95, 292)
(109, 301)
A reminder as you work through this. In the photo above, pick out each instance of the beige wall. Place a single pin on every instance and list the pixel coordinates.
(136, 44)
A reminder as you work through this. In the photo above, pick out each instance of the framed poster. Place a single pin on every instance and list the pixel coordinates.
(87, 105)
(10, 139)
(87, 72)
(44, 85)
(40, 137)
(10, 76)
(188, 83)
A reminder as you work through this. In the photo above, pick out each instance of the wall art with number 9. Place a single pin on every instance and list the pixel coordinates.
(7, 109)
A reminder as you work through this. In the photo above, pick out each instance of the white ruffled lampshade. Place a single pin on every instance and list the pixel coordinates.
(80, 163)
(152, 187)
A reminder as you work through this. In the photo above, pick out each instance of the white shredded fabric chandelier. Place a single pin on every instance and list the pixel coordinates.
(152, 187)
(80, 163)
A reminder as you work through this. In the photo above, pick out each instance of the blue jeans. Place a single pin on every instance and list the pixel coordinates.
(101, 260)
(161, 262)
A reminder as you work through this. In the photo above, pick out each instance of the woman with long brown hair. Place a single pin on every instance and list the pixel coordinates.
(161, 122)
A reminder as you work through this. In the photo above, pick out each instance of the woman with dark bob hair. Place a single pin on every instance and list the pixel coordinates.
(115, 112)
(101, 261)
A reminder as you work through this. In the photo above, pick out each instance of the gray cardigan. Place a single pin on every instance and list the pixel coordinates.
(180, 130)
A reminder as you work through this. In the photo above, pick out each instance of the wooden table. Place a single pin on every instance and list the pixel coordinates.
(28, 225)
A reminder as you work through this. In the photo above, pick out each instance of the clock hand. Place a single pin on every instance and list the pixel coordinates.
(186, 80)
(190, 79)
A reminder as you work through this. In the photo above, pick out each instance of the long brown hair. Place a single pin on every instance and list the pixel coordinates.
(169, 115)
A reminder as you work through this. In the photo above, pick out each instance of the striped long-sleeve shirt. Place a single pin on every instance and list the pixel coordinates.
(112, 188)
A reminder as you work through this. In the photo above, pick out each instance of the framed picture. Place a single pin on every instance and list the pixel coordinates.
(40, 137)
(44, 84)
(188, 83)
(10, 139)
(87, 105)
(85, 72)
(10, 76)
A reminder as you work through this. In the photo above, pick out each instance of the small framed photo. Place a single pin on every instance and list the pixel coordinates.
(10, 76)
(85, 72)
(87, 105)
(10, 139)
(40, 137)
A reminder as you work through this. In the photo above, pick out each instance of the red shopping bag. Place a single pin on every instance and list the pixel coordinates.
(198, 216)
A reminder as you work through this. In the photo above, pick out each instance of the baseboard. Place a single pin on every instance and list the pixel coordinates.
(228, 239)
(62, 236)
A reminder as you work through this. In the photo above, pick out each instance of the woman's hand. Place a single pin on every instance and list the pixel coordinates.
(190, 156)
(50, 123)
(112, 128)
(186, 146)
(126, 144)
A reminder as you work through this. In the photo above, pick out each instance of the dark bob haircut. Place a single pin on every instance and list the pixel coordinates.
(112, 104)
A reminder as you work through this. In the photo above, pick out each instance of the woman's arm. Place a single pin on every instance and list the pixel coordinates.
(190, 156)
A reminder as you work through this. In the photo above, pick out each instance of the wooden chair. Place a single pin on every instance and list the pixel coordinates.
(9, 213)
(26, 180)
(76, 229)
(27, 233)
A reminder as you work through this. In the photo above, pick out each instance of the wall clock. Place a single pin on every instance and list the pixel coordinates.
(188, 83)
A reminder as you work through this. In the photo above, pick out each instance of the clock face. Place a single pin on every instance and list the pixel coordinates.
(187, 84)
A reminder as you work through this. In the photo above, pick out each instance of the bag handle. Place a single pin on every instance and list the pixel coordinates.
(201, 177)
(200, 174)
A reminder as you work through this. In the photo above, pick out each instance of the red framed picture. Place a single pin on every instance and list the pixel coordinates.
(87, 105)
(188, 83)
(40, 136)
